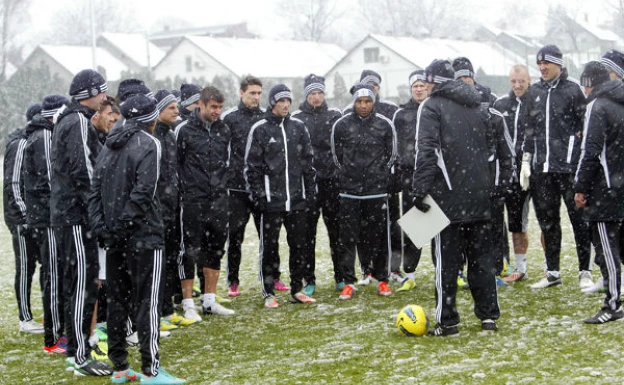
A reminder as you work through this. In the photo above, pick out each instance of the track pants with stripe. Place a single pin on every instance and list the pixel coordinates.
(473, 240)
(134, 277)
(79, 260)
(26, 257)
(608, 239)
(327, 204)
(53, 317)
(500, 241)
(547, 191)
(297, 228)
(411, 253)
(240, 210)
(364, 224)
(171, 284)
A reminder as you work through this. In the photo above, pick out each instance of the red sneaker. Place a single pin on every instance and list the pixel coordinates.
(383, 289)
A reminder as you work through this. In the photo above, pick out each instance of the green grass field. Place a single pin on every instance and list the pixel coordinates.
(542, 339)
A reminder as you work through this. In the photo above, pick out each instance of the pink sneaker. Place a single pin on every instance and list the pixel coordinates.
(279, 285)
(233, 291)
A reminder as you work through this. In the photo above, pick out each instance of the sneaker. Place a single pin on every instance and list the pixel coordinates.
(30, 327)
(301, 297)
(515, 277)
(162, 378)
(102, 332)
(347, 292)
(444, 331)
(366, 280)
(270, 302)
(507, 269)
(462, 282)
(132, 339)
(279, 285)
(166, 325)
(220, 299)
(489, 325)
(309, 289)
(383, 289)
(196, 291)
(164, 334)
(178, 320)
(70, 364)
(217, 309)
(56, 348)
(339, 286)
(585, 279)
(99, 351)
(547, 281)
(62, 342)
(93, 367)
(500, 282)
(606, 315)
(191, 313)
(408, 284)
(233, 290)
(396, 276)
(597, 287)
(124, 376)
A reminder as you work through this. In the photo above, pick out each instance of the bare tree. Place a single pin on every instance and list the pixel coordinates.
(12, 13)
(561, 24)
(312, 20)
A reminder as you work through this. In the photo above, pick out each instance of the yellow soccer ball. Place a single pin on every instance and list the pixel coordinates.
(412, 321)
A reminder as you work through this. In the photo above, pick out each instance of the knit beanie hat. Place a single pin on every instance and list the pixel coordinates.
(439, 71)
(140, 108)
(51, 104)
(87, 84)
(177, 94)
(313, 83)
(163, 99)
(614, 60)
(33, 110)
(594, 74)
(418, 75)
(362, 91)
(550, 53)
(463, 67)
(370, 76)
(189, 94)
(129, 87)
(278, 92)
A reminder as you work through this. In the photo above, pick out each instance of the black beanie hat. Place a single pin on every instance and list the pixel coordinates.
(418, 75)
(129, 87)
(189, 94)
(87, 84)
(177, 94)
(362, 91)
(463, 67)
(439, 71)
(594, 74)
(614, 60)
(550, 53)
(313, 83)
(278, 92)
(163, 99)
(141, 108)
(51, 104)
(370, 76)
(33, 110)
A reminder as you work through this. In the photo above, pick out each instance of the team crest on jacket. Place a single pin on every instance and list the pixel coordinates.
(272, 140)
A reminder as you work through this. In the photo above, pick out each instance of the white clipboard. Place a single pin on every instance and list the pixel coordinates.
(422, 227)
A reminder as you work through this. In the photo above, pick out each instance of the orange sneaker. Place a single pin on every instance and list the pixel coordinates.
(383, 289)
(348, 292)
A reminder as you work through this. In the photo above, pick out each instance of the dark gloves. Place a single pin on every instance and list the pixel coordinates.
(418, 202)
(260, 204)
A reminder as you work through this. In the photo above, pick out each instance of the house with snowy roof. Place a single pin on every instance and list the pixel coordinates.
(394, 58)
(135, 50)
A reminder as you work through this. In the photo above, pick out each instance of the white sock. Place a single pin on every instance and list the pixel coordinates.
(209, 299)
(555, 274)
(411, 275)
(188, 304)
(521, 263)
(93, 340)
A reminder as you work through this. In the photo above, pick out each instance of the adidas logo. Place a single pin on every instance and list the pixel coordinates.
(537, 99)
(505, 113)
(272, 140)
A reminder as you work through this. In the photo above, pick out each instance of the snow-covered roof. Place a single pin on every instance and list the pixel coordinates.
(76, 58)
(600, 33)
(490, 57)
(270, 58)
(135, 46)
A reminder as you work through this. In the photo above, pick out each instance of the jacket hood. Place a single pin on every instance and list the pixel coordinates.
(307, 107)
(20, 133)
(38, 123)
(459, 92)
(75, 106)
(612, 90)
(120, 138)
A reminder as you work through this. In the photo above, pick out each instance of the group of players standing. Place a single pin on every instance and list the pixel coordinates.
(175, 181)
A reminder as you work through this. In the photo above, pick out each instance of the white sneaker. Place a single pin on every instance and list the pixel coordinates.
(191, 313)
(585, 279)
(133, 339)
(165, 334)
(547, 281)
(366, 280)
(30, 327)
(597, 287)
(217, 309)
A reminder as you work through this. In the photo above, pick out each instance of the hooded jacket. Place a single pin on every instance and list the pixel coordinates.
(364, 151)
(124, 195)
(600, 171)
(37, 169)
(553, 136)
(319, 122)
(13, 197)
(75, 147)
(203, 158)
(239, 120)
(452, 151)
(516, 116)
(168, 183)
(278, 163)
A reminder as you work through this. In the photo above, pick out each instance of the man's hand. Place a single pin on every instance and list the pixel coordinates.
(525, 171)
(418, 202)
(580, 199)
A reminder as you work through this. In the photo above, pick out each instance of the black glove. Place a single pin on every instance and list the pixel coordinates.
(417, 202)
(260, 204)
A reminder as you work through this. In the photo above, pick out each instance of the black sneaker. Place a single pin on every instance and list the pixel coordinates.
(93, 367)
(606, 315)
(443, 331)
(489, 325)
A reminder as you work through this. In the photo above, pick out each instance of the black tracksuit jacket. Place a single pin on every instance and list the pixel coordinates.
(168, 184)
(14, 206)
(37, 171)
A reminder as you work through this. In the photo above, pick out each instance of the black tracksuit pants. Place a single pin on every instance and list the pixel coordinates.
(26, 257)
(297, 237)
(240, 210)
(80, 286)
(134, 277)
(608, 239)
(328, 204)
(500, 242)
(474, 241)
(171, 284)
(411, 253)
(547, 191)
(364, 223)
